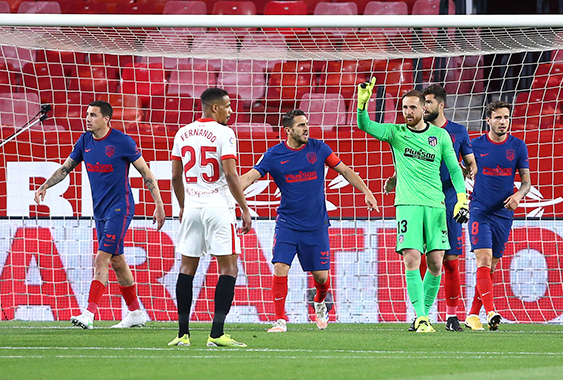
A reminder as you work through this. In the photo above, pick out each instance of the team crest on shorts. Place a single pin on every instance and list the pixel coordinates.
(312, 157)
(110, 150)
(401, 239)
(510, 154)
(433, 141)
(474, 240)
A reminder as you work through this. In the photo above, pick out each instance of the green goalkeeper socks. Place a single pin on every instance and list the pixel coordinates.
(431, 285)
(415, 291)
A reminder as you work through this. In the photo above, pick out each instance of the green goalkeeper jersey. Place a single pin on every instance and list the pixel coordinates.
(417, 156)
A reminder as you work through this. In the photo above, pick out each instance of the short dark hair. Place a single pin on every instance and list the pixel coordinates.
(287, 118)
(105, 108)
(493, 106)
(415, 94)
(212, 95)
(436, 90)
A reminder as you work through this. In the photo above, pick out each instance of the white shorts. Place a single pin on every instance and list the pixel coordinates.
(208, 231)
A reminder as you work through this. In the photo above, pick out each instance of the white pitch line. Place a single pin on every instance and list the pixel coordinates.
(267, 350)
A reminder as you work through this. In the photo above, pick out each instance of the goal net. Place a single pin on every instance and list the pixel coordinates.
(152, 69)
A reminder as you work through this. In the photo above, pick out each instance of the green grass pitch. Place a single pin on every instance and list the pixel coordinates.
(55, 350)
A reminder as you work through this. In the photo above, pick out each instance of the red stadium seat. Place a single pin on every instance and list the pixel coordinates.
(117, 61)
(234, 8)
(253, 128)
(190, 80)
(45, 79)
(388, 8)
(136, 8)
(340, 8)
(4, 7)
(431, 7)
(213, 43)
(395, 74)
(39, 7)
(245, 78)
(342, 77)
(16, 56)
(92, 80)
(176, 112)
(7, 78)
(158, 4)
(548, 75)
(145, 80)
(84, 7)
(346, 8)
(17, 109)
(360, 4)
(537, 109)
(178, 7)
(325, 110)
(257, 44)
(365, 40)
(286, 8)
(168, 39)
(126, 109)
(288, 82)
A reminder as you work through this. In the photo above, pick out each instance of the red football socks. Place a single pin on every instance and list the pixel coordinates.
(322, 290)
(279, 292)
(485, 286)
(97, 289)
(451, 286)
(130, 296)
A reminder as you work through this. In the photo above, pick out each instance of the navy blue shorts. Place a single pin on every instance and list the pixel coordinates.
(312, 248)
(455, 236)
(489, 232)
(111, 233)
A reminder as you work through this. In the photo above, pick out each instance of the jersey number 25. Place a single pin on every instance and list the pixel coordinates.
(204, 161)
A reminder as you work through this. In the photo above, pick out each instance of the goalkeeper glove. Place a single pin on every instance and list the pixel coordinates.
(364, 93)
(461, 210)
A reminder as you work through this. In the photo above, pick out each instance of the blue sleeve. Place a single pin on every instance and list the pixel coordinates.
(325, 150)
(263, 165)
(465, 145)
(131, 151)
(523, 161)
(78, 150)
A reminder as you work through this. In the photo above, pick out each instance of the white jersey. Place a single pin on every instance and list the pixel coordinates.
(201, 146)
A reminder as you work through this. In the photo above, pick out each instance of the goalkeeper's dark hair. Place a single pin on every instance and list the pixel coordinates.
(415, 94)
(105, 108)
(493, 106)
(287, 118)
(436, 90)
(212, 95)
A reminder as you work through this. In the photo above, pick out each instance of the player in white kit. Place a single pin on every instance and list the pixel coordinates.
(206, 184)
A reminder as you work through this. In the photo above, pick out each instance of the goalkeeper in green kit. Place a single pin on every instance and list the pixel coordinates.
(418, 151)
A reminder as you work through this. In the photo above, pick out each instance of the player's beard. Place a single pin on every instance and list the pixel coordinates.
(431, 116)
(414, 122)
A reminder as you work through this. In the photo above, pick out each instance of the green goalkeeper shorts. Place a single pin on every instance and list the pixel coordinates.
(422, 228)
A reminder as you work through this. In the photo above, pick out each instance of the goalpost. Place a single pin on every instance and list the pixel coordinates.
(152, 70)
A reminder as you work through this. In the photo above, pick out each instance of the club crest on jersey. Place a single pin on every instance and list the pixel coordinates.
(433, 141)
(510, 154)
(452, 136)
(110, 150)
(312, 157)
